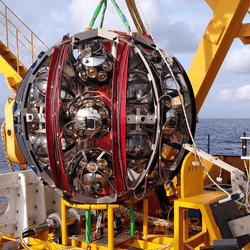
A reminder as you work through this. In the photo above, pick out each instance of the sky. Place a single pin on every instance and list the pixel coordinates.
(177, 26)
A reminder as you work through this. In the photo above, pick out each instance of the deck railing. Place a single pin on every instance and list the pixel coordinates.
(18, 37)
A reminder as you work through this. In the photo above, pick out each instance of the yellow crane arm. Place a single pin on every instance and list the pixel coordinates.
(224, 26)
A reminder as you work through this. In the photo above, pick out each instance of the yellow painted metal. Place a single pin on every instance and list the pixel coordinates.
(45, 243)
(246, 247)
(111, 228)
(160, 239)
(13, 150)
(142, 244)
(150, 242)
(8, 67)
(64, 222)
(109, 207)
(191, 177)
(194, 197)
(212, 3)
(94, 246)
(145, 218)
(244, 33)
(219, 35)
(73, 242)
(90, 206)
(225, 25)
(6, 237)
(214, 32)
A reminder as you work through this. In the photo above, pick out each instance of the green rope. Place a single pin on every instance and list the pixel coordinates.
(103, 3)
(122, 16)
(132, 220)
(96, 13)
(103, 13)
(88, 225)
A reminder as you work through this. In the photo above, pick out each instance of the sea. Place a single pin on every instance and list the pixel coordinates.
(216, 136)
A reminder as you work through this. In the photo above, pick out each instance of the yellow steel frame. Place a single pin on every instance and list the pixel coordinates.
(13, 79)
(110, 208)
(194, 197)
(224, 26)
(148, 242)
(14, 154)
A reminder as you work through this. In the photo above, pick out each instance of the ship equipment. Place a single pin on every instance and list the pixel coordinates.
(101, 117)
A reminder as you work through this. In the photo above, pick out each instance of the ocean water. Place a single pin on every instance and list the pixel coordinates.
(224, 137)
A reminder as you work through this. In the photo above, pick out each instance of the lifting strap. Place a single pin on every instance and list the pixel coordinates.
(103, 3)
(136, 17)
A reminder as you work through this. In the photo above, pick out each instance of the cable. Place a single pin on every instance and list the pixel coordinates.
(23, 243)
(247, 196)
(103, 13)
(136, 17)
(245, 164)
(98, 171)
(144, 191)
(181, 99)
(122, 16)
(169, 213)
(96, 13)
(72, 248)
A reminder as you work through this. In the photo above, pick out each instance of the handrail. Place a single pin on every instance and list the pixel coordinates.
(26, 48)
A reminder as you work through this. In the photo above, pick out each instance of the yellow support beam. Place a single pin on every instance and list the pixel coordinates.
(212, 3)
(218, 37)
(13, 150)
(11, 68)
(13, 79)
(244, 33)
(194, 198)
(145, 218)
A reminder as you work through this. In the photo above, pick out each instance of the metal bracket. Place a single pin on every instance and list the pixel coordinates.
(238, 178)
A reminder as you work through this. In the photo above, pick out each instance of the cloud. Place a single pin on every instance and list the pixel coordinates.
(240, 94)
(226, 94)
(81, 14)
(47, 19)
(180, 38)
(51, 20)
(173, 37)
(238, 61)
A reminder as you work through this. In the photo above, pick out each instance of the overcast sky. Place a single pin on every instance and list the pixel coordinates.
(177, 25)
